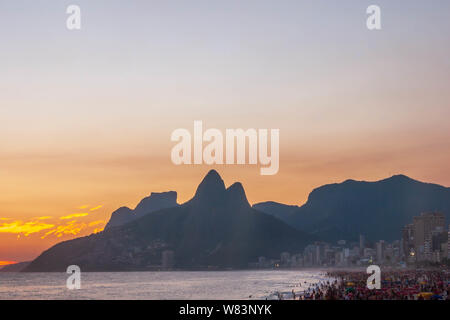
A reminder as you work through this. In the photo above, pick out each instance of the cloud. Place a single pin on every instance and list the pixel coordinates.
(95, 223)
(74, 215)
(97, 230)
(71, 228)
(25, 228)
(83, 206)
(57, 228)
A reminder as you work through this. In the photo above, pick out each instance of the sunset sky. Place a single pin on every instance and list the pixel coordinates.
(86, 116)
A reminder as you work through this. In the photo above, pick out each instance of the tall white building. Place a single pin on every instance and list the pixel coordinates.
(380, 251)
(362, 244)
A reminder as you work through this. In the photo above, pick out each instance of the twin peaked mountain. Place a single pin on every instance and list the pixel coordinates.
(216, 228)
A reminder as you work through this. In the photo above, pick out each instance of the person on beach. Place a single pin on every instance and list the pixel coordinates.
(396, 285)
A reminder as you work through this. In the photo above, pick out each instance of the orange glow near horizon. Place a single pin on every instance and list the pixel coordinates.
(5, 263)
(38, 233)
(25, 238)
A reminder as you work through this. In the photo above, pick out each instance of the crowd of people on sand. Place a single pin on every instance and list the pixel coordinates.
(395, 285)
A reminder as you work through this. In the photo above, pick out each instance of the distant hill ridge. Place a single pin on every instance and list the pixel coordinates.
(15, 267)
(156, 201)
(377, 209)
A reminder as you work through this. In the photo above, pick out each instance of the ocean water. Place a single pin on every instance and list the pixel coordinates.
(259, 284)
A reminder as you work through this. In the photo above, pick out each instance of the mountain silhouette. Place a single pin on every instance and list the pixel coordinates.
(217, 228)
(156, 201)
(16, 267)
(378, 209)
(211, 189)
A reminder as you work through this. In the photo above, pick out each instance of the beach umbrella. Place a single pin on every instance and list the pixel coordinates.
(426, 295)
